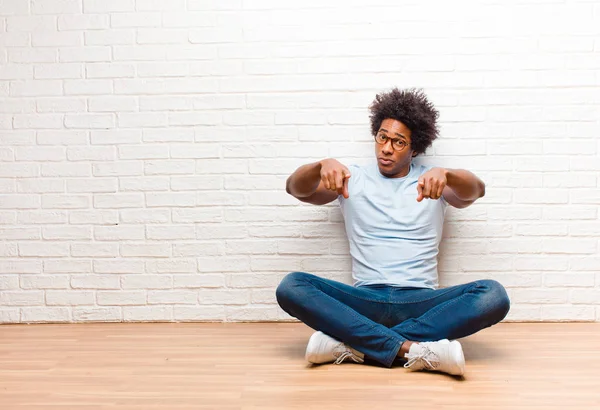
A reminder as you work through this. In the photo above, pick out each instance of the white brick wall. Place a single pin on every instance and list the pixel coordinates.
(144, 146)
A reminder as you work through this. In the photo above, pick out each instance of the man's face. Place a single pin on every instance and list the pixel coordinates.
(395, 154)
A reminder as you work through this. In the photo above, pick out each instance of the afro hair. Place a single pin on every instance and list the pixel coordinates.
(413, 109)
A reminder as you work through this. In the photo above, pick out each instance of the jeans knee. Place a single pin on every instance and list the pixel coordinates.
(495, 299)
(287, 289)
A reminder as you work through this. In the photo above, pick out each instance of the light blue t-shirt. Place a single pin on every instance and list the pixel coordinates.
(394, 239)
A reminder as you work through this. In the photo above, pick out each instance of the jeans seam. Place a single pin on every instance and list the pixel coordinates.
(349, 294)
(438, 310)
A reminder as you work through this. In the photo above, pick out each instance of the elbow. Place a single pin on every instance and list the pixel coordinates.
(481, 189)
(288, 188)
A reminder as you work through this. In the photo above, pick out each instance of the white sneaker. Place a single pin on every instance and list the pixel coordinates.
(325, 349)
(441, 356)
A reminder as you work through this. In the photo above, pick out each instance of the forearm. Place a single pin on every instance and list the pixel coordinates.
(304, 181)
(465, 185)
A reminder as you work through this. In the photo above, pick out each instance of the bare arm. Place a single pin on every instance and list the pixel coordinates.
(463, 188)
(460, 188)
(319, 183)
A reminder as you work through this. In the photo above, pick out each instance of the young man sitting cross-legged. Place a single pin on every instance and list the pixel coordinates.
(393, 212)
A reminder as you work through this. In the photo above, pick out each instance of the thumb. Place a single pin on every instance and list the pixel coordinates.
(420, 185)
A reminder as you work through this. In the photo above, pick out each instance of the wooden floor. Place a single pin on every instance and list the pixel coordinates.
(261, 366)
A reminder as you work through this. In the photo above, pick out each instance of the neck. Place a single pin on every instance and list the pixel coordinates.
(400, 174)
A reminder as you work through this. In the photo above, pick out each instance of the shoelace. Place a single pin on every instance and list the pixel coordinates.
(345, 353)
(426, 358)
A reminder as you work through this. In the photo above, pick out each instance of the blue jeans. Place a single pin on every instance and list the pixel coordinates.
(377, 319)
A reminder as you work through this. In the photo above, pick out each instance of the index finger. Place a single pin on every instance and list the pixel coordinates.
(420, 185)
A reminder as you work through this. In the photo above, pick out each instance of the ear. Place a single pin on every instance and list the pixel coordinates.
(414, 154)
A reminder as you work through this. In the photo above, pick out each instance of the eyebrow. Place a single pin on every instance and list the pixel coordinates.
(398, 134)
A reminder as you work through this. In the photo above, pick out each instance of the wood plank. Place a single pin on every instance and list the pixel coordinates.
(253, 366)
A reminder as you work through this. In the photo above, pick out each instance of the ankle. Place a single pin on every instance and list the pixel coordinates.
(405, 348)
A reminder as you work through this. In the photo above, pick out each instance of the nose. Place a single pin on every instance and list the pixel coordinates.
(387, 148)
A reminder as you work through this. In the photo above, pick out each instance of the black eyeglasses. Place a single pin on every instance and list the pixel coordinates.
(397, 144)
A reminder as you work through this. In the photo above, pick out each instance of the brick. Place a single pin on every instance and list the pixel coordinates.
(144, 184)
(138, 120)
(220, 231)
(38, 121)
(121, 168)
(194, 249)
(59, 105)
(224, 296)
(109, 70)
(85, 54)
(21, 298)
(94, 282)
(171, 232)
(172, 265)
(94, 121)
(45, 314)
(143, 152)
(199, 281)
(169, 167)
(112, 104)
(9, 282)
(175, 297)
(107, 6)
(144, 216)
(30, 23)
(9, 315)
(193, 183)
(65, 169)
(231, 264)
(19, 201)
(62, 137)
(148, 250)
(67, 266)
(52, 38)
(20, 266)
(118, 266)
(56, 6)
(172, 199)
(52, 201)
(95, 217)
(78, 22)
(95, 250)
(110, 37)
(66, 232)
(252, 313)
(137, 19)
(122, 297)
(567, 313)
(97, 314)
(35, 88)
(16, 72)
(44, 281)
(118, 233)
(91, 154)
(196, 215)
(146, 282)
(170, 135)
(41, 249)
(119, 200)
(148, 313)
(15, 233)
(198, 314)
